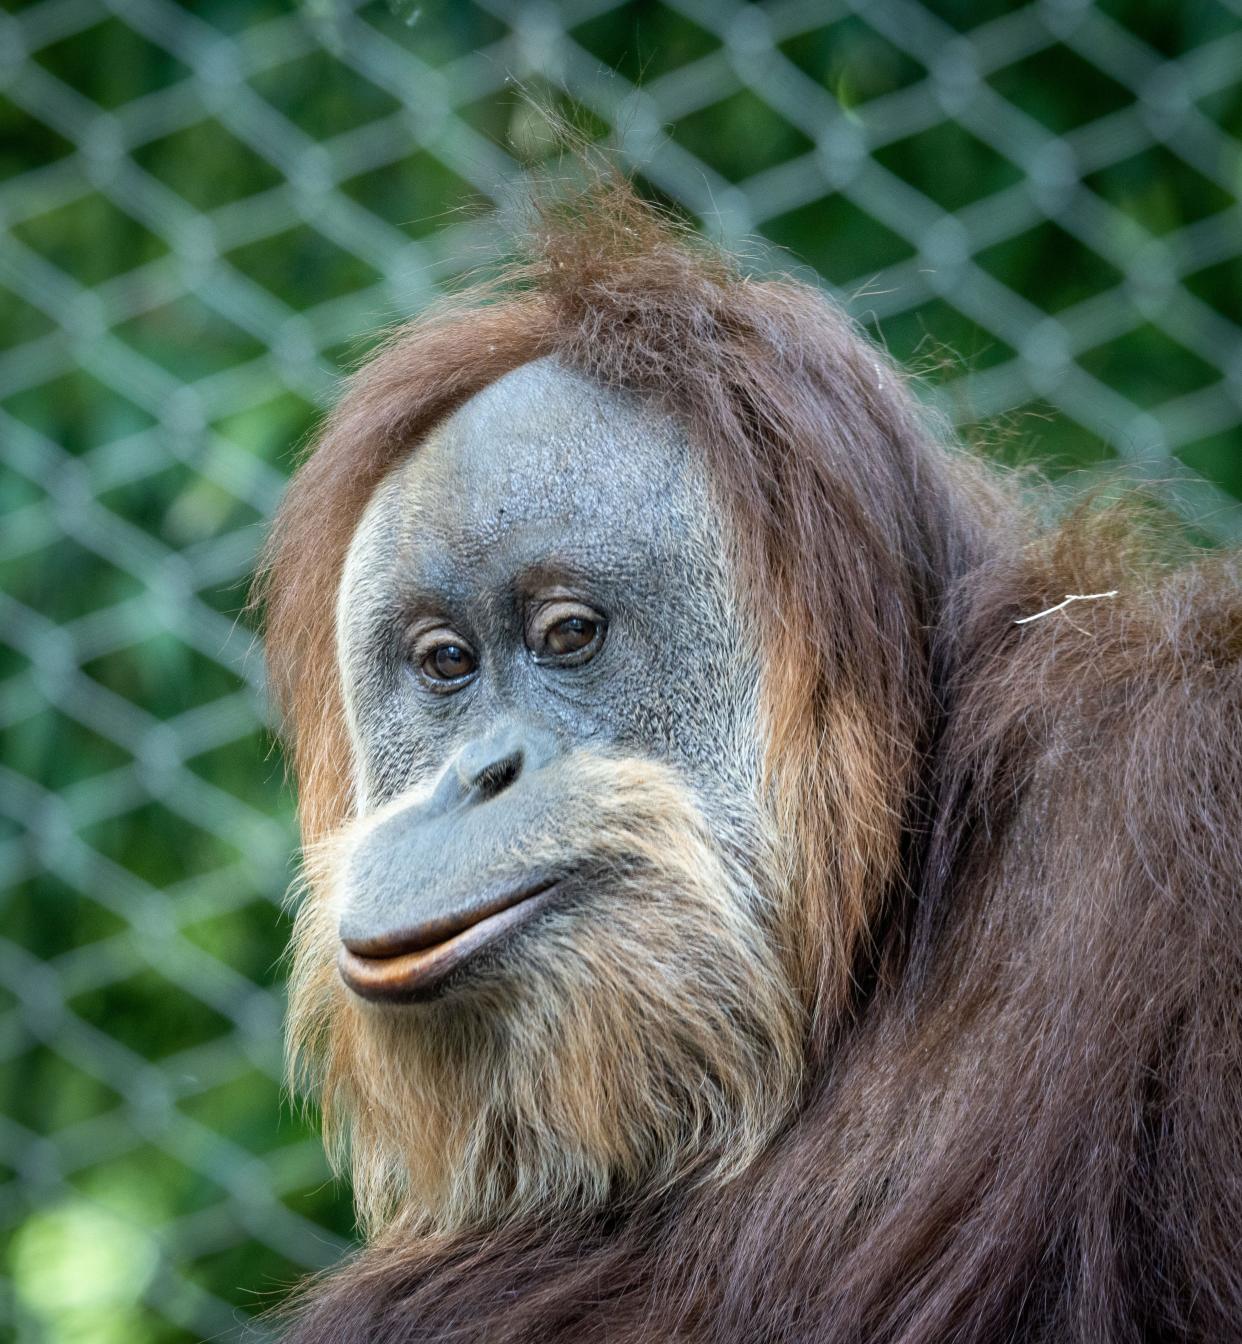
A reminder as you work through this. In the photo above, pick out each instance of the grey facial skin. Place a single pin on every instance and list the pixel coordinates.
(546, 575)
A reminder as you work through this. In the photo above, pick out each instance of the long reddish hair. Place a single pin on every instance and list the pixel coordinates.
(1015, 847)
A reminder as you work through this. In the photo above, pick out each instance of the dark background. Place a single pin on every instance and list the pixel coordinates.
(209, 211)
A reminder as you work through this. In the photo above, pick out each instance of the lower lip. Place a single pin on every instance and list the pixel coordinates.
(412, 976)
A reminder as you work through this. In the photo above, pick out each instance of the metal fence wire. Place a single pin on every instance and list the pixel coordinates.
(209, 209)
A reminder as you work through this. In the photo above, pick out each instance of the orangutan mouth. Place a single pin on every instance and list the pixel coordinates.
(415, 962)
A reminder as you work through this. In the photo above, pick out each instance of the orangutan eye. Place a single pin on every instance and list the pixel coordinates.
(448, 663)
(568, 636)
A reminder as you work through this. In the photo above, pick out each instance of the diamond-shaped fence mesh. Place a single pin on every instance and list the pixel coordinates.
(209, 209)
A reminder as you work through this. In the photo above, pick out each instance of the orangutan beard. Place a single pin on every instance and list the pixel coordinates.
(641, 1032)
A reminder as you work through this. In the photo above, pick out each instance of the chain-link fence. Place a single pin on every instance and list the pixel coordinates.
(208, 209)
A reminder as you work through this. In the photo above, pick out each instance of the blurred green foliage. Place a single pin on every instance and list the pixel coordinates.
(154, 873)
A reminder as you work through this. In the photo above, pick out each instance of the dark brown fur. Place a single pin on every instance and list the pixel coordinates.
(1017, 848)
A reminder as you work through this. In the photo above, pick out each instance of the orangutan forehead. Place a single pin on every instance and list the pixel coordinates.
(546, 464)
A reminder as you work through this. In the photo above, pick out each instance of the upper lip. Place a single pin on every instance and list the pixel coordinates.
(410, 962)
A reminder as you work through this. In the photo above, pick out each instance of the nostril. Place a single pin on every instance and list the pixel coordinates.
(497, 776)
